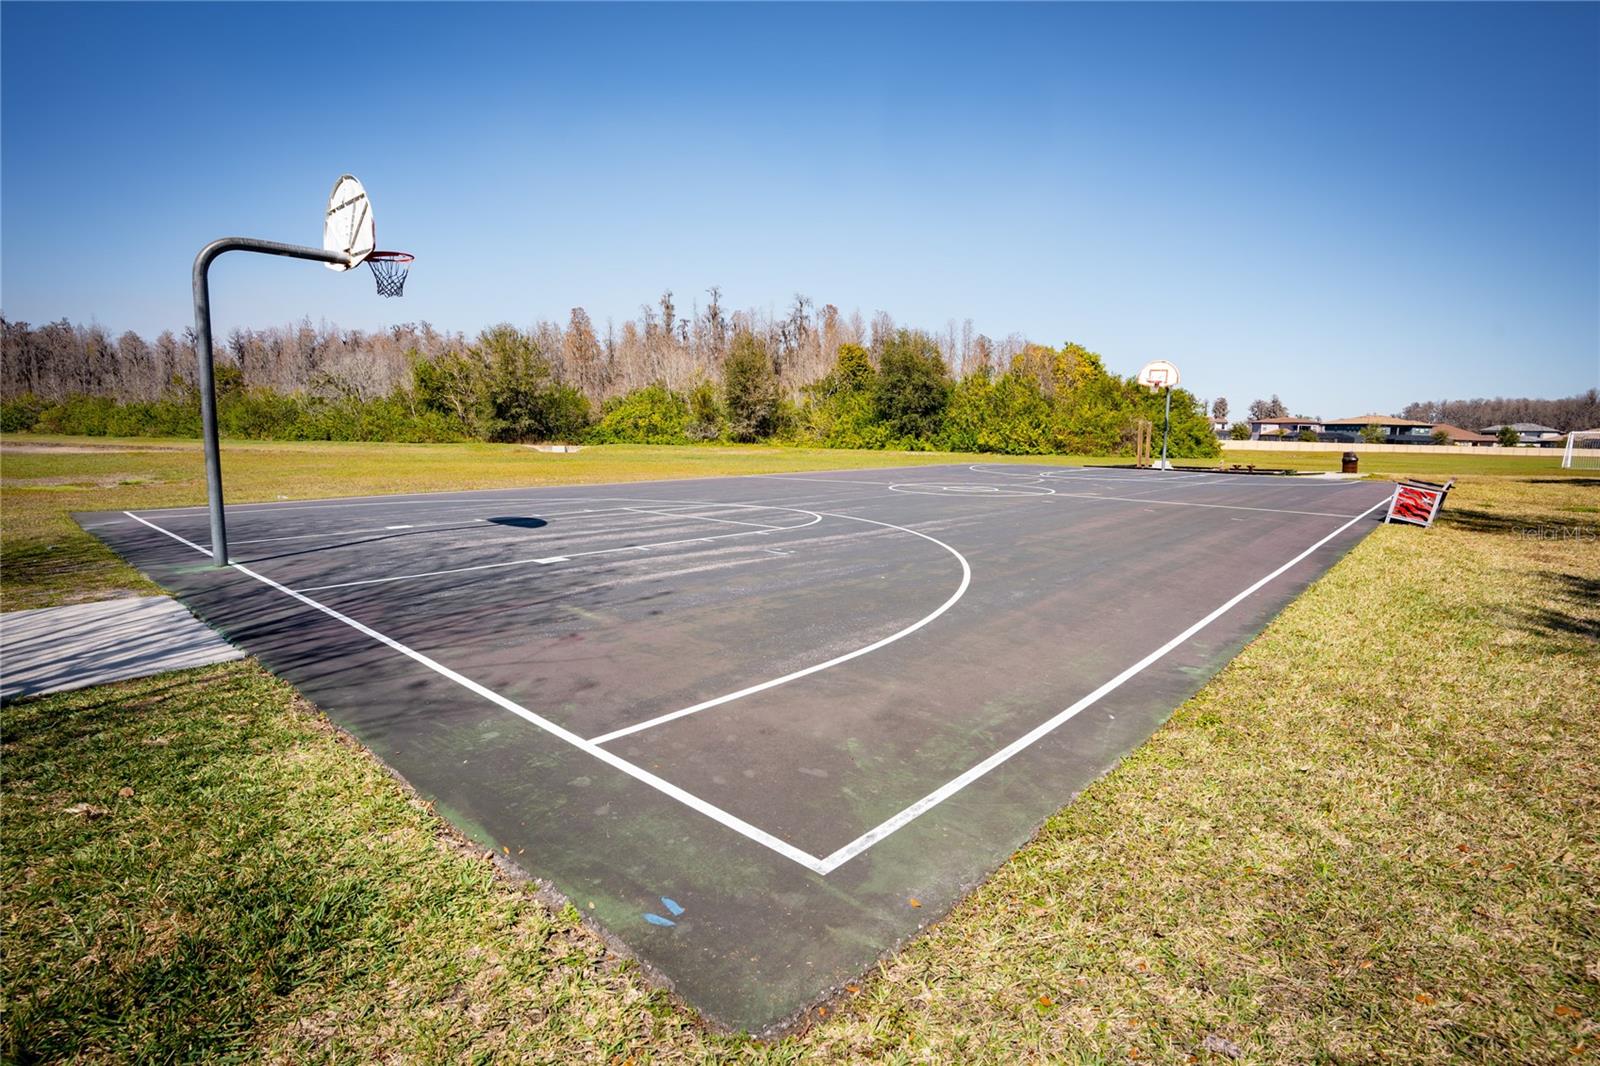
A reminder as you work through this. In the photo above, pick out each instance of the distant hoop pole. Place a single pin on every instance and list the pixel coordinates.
(1166, 427)
(202, 349)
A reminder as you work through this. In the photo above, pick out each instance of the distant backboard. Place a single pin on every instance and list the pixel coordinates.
(348, 227)
(1158, 374)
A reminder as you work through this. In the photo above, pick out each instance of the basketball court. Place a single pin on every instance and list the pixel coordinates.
(742, 723)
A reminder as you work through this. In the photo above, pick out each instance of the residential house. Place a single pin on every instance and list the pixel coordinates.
(1395, 430)
(1464, 438)
(1532, 435)
(1283, 428)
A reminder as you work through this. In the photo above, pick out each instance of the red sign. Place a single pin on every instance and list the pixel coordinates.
(1417, 501)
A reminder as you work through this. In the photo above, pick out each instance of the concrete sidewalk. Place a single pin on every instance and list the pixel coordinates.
(54, 649)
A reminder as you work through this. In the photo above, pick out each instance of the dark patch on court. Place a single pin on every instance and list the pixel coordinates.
(761, 850)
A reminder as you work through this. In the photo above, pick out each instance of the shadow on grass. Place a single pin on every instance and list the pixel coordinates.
(108, 713)
(1536, 527)
(1476, 521)
(1568, 618)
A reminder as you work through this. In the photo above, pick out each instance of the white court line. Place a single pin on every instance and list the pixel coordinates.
(563, 558)
(459, 522)
(441, 526)
(717, 814)
(706, 518)
(323, 503)
(961, 590)
(1190, 503)
(1028, 739)
(1165, 479)
(819, 865)
(168, 532)
(1218, 476)
(1077, 473)
(824, 480)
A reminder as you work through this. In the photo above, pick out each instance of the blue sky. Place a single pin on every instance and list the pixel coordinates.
(1352, 206)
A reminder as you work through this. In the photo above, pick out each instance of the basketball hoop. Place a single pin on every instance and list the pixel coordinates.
(389, 269)
(1158, 375)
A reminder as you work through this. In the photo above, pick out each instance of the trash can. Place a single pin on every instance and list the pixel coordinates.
(1348, 466)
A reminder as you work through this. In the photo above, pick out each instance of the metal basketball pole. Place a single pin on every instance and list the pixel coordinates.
(202, 348)
(1166, 427)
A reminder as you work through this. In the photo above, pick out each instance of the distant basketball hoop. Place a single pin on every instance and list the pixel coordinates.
(1158, 375)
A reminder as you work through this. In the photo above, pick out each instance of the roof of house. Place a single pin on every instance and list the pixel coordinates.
(1376, 420)
(1295, 421)
(1522, 427)
(1457, 433)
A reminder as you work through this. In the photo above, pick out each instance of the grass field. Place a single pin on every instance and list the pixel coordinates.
(1375, 836)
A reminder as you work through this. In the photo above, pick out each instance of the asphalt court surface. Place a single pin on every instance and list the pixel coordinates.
(741, 721)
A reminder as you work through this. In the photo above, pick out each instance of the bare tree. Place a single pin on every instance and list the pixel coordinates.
(1273, 408)
(582, 356)
(138, 377)
(982, 358)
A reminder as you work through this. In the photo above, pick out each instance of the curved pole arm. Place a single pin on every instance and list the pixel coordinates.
(207, 380)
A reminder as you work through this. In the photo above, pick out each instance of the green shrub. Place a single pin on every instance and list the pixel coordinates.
(705, 412)
(750, 389)
(838, 410)
(260, 414)
(83, 416)
(1009, 415)
(21, 413)
(651, 415)
(912, 390)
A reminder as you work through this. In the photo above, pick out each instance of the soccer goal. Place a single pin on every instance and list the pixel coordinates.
(1583, 450)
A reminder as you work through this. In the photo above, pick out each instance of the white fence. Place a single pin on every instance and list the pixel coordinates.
(1422, 449)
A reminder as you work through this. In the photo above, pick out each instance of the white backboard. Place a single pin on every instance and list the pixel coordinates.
(1158, 374)
(348, 227)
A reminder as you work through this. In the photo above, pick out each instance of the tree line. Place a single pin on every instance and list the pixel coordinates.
(662, 345)
(808, 375)
(1581, 411)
